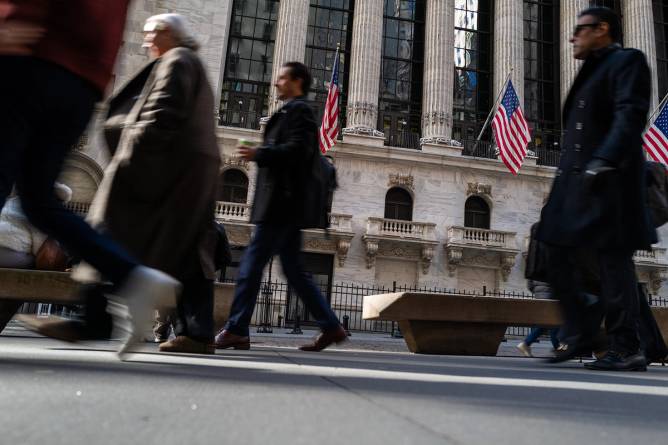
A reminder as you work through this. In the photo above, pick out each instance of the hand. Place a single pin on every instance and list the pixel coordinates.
(247, 153)
(16, 38)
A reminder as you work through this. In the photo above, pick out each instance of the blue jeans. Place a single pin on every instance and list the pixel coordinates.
(537, 332)
(269, 240)
(43, 111)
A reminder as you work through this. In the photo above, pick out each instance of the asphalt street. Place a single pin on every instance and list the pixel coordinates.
(58, 393)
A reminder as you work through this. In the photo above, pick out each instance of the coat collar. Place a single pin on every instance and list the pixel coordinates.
(593, 60)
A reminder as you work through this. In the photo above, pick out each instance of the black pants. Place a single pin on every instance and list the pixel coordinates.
(194, 310)
(43, 111)
(571, 276)
(193, 316)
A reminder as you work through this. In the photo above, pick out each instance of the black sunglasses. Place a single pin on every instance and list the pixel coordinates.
(579, 28)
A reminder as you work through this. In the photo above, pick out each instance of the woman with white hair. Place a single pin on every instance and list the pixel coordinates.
(157, 197)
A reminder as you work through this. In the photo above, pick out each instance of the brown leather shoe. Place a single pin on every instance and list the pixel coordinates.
(187, 345)
(325, 339)
(225, 340)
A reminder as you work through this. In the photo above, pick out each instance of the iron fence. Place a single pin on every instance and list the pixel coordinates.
(547, 156)
(239, 118)
(479, 149)
(403, 139)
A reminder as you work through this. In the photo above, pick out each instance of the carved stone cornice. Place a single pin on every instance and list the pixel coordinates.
(371, 246)
(477, 188)
(507, 264)
(233, 161)
(397, 179)
(440, 140)
(455, 255)
(427, 255)
(342, 248)
(656, 279)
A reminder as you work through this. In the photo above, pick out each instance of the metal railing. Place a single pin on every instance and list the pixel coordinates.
(240, 119)
(403, 139)
(548, 157)
(479, 149)
(80, 208)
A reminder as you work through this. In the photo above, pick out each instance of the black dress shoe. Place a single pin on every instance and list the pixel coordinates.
(618, 361)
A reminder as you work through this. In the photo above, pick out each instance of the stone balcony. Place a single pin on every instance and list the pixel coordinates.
(652, 266)
(481, 247)
(335, 240)
(397, 238)
(80, 208)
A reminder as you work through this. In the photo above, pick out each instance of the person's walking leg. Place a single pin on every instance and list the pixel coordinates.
(303, 284)
(533, 335)
(256, 256)
(193, 319)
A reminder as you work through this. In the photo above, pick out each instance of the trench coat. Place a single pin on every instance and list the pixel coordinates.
(157, 198)
(604, 117)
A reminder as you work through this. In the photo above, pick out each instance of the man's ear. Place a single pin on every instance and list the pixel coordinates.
(603, 28)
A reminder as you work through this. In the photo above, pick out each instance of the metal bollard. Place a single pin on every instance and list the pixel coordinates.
(346, 321)
(296, 328)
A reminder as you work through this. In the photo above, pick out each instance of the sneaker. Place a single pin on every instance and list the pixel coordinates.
(161, 331)
(525, 349)
(187, 345)
(144, 290)
(619, 361)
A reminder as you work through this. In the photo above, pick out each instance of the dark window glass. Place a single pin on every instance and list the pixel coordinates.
(234, 187)
(660, 8)
(400, 106)
(473, 76)
(541, 72)
(398, 204)
(330, 24)
(247, 78)
(476, 213)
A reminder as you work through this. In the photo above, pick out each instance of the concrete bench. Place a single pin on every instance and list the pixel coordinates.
(38, 286)
(462, 324)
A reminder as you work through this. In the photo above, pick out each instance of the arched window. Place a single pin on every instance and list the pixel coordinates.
(476, 213)
(398, 204)
(234, 187)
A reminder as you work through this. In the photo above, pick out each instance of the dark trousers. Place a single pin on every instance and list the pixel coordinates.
(618, 291)
(43, 111)
(538, 331)
(269, 240)
(194, 310)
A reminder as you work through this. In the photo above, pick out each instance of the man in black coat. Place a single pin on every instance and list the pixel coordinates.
(281, 208)
(598, 196)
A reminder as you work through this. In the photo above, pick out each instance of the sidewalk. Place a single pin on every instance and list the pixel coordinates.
(358, 341)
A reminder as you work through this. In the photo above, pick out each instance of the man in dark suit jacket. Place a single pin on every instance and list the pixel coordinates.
(598, 196)
(280, 210)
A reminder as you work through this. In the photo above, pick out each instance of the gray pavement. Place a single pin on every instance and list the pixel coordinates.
(58, 393)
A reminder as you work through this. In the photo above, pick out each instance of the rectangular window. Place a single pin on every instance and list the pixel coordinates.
(250, 51)
(660, 8)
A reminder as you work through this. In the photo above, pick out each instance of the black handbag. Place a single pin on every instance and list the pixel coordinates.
(537, 258)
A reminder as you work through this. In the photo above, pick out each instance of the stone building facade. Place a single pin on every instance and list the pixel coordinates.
(421, 202)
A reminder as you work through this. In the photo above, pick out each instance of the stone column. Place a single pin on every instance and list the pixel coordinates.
(639, 33)
(509, 45)
(365, 63)
(568, 17)
(290, 46)
(438, 72)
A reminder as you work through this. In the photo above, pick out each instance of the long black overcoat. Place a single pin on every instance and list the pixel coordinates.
(285, 162)
(604, 117)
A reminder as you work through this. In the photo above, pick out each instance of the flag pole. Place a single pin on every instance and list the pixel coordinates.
(656, 110)
(496, 103)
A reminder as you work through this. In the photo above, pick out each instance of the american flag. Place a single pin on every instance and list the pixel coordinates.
(655, 139)
(511, 131)
(329, 129)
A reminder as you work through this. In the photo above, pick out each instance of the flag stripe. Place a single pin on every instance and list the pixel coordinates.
(511, 130)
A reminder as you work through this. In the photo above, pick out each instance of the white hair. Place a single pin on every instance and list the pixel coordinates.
(176, 23)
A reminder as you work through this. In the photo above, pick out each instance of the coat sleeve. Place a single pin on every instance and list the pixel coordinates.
(299, 136)
(169, 102)
(631, 95)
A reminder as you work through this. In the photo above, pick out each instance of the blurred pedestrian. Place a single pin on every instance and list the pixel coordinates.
(48, 89)
(280, 210)
(598, 202)
(157, 198)
(541, 291)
